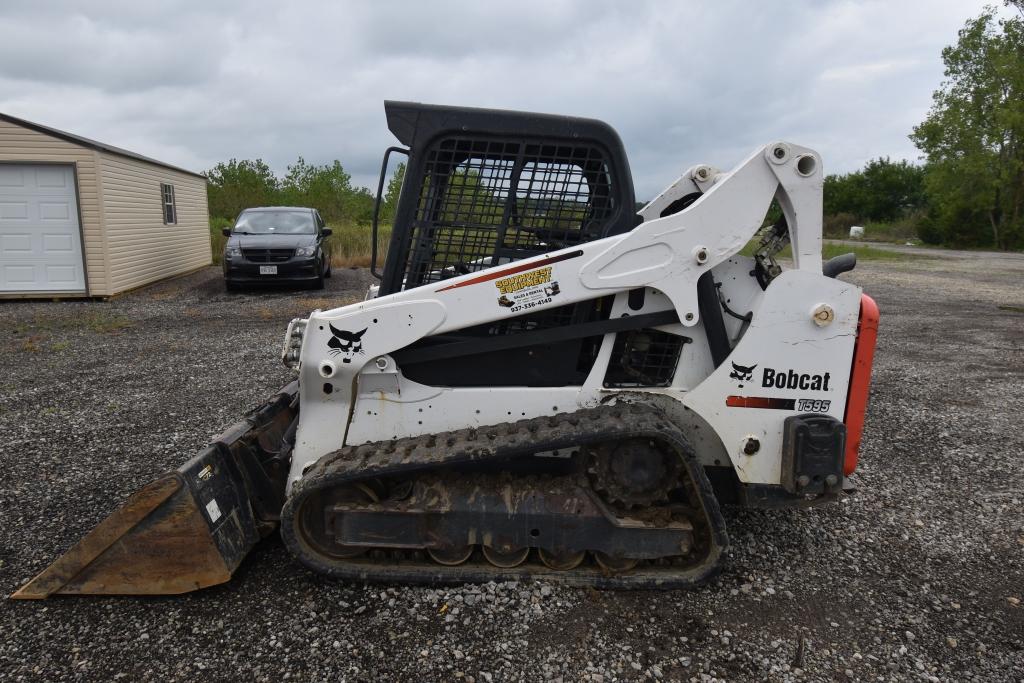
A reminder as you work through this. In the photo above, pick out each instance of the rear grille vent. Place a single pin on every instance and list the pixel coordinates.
(643, 358)
(268, 255)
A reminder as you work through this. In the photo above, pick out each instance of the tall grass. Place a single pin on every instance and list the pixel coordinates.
(829, 250)
(902, 230)
(217, 239)
(348, 246)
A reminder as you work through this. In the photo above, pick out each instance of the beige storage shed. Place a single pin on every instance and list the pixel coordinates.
(81, 218)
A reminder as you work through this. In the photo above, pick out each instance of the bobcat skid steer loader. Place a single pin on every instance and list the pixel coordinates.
(545, 383)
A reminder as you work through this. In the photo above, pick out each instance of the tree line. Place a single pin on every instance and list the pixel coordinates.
(969, 190)
(235, 185)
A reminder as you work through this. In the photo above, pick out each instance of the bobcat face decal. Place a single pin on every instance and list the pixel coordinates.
(345, 343)
(742, 373)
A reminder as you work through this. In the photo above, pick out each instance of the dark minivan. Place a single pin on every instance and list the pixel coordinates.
(275, 244)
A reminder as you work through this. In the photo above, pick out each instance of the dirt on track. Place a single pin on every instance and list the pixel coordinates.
(918, 576)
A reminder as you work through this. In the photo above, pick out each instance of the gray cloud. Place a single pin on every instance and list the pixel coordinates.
(198, 82)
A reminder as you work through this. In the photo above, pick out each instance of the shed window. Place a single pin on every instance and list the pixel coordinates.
(170, 211)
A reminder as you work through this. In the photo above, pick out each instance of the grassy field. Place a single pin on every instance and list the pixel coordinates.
(349, 245)
(829, 250)
(901, 231)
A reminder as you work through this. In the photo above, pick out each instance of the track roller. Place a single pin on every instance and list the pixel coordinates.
(505, 559)
(615, 565)
(450, 557)
(561, 561)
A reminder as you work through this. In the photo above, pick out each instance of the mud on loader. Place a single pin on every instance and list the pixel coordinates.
(545, 383)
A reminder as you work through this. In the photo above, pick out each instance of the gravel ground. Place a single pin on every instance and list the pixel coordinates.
(917, 577)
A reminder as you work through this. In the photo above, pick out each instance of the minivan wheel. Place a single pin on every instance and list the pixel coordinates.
(319, 284)
(230, 286)
(328, 273)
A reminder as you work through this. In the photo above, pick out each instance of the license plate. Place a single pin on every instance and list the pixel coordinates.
(268, 270)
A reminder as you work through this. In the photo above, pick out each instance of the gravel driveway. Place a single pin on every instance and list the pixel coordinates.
(918, 576)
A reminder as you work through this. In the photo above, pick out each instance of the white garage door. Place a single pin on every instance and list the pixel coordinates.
(40, 241)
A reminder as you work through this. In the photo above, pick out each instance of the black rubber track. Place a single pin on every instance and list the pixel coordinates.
(402, 457)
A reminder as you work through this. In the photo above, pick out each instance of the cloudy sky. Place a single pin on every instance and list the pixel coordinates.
(684, 82)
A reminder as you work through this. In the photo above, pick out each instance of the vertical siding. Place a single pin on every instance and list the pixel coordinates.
(22, 144)
(141, 248)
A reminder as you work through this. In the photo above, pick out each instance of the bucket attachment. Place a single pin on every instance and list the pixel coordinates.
(190, 528)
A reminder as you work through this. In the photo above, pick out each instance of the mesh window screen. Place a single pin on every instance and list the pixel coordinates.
(487, 202)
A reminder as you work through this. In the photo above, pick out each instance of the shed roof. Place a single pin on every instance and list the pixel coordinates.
(93, 144)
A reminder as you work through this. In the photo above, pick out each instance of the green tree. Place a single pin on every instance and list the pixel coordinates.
(235, 185)
(389, 203)
(326, 188)
(894, 189)
(973, 137)
(882, 191)
(845, 193)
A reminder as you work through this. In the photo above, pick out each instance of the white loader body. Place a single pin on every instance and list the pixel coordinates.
(804, 325)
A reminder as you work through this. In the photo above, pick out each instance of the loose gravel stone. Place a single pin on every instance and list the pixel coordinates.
(97, 398)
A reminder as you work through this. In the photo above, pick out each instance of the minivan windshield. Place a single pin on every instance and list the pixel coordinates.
(275, 222)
